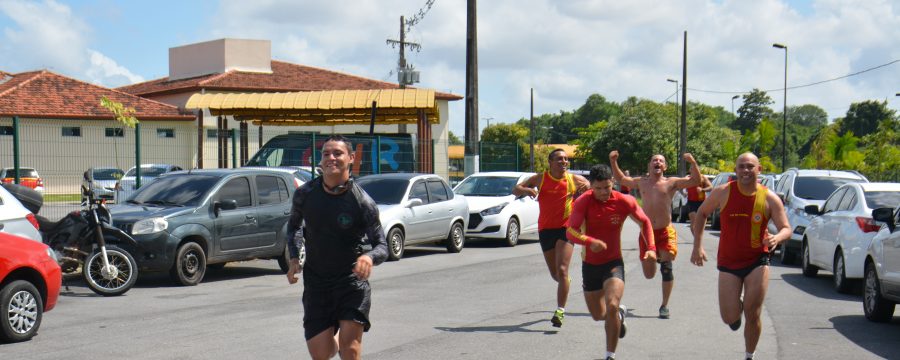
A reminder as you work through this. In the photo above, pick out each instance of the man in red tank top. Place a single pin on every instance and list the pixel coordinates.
(558, 189)
(603, 211)
(744, 243)
(696, 195)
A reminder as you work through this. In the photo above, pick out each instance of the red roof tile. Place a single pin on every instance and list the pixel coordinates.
(284, 77)
(44, 94)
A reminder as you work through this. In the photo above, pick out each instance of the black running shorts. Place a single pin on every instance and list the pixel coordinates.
(324, 308)
(693, 206)
(549, 237)
(593, 276)
(764, 260)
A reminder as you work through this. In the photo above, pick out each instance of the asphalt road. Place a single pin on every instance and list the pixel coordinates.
(488, 302)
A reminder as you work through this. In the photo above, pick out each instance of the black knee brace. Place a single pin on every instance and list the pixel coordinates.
(665, 268)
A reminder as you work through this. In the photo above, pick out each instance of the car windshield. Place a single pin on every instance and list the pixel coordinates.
(384, 191)
(818, 187)
(882, 199)
(148, 171)
(486, 186)
(304, 175)
(107, 174)
(179, 190)
(23, 173)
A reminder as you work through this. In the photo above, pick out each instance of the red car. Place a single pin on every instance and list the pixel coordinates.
(27, 177)
(30, 279)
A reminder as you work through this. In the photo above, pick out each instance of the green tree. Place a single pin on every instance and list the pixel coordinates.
(882, 153)
(863, 118)
(754, 109)
(500, 147)
(454, 140)
(806, 115)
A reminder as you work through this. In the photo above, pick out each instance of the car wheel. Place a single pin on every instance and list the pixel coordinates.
(395, 242)
(190, 264)
(876, 308)
(841, 284)
(107, 284)
(683, 213)
(512, 232)
(787, 257)
(21, 312)
(809, 270)
(456, 238)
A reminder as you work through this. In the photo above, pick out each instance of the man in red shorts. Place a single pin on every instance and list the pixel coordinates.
(656, 192)
(602, 211)
(558, 189)
(744, 243)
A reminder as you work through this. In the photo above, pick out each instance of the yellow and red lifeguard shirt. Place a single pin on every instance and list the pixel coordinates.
(555, 197)
(695, 194)
(743, 220)
(603, 221)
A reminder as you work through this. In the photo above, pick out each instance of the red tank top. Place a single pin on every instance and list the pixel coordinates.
(695, 194)
(555, 198)
(743, 220)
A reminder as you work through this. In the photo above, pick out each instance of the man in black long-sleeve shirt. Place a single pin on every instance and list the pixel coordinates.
(336, 215)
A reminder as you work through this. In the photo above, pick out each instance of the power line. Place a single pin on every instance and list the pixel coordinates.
(799, 86)
(419, 16)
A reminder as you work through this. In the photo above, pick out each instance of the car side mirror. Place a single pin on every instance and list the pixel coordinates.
(811, 209)
(218, 206)
(885, 215)
(413, 202)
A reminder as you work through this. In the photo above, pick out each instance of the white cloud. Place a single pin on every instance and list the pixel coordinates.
(47, 35)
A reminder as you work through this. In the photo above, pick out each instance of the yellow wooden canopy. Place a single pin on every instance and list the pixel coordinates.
(393, 106)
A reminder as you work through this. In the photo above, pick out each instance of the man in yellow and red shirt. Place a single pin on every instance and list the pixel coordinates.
(556, 190)
(744, 243)
(696, 195)
(602, 212)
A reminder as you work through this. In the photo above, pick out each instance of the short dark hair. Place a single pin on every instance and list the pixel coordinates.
(550, 157)
(600, 172)
(340, 138)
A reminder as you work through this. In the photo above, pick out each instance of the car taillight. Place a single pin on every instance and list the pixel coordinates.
(867, 224)
(33, 221)
(40, 182)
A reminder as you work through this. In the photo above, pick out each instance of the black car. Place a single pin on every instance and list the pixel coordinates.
(186, 220)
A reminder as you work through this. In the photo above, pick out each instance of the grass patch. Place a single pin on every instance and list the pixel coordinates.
(62, 197)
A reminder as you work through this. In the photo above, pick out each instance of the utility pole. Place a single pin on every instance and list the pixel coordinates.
(405, 74)
(682, 148)
(471, 141)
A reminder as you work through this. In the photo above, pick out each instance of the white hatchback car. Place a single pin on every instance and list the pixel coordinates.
(494, 212)
(416, 209)
(840, 232)
(15, 218)
(882, 268)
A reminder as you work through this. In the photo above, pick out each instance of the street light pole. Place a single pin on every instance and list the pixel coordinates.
(784, 111)
(732, 103)
(678, 132)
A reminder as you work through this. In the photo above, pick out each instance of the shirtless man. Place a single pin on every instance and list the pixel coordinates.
(656, 193)
(558, 189)
(744, 245)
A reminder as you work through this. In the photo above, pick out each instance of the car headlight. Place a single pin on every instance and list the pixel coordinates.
(149, 226)
(52, 254)
(494, 210)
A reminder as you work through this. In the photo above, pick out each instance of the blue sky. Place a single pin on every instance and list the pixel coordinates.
(566, 50)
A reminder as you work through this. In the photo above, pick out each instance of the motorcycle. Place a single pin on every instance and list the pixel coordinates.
(86, 240)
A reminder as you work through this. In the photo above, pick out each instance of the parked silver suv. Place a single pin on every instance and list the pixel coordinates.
(798, 188)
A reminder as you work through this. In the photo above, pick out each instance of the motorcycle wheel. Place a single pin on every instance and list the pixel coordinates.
(125, 277)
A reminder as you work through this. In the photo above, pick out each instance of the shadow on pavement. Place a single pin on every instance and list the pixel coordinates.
(819, 286)
(877, 338)
(501, 329)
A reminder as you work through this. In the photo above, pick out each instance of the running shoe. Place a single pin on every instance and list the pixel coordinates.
(557, 318)
(622, 327)
(663, 312)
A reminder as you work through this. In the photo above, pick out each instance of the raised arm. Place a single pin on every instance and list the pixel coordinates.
(714, 201)
(527, 187)
(582, 185)
(617, 173)
(695, 178)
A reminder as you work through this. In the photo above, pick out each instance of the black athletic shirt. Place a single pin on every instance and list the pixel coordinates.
(333, 231)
